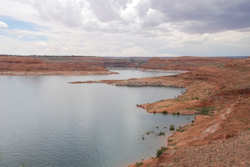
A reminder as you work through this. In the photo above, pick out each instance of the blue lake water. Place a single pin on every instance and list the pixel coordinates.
(46, 122)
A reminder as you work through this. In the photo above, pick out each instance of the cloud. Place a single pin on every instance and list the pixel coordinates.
(197, 16)
(3, 25)
(126, 27)
(67, 12)
(190, 16)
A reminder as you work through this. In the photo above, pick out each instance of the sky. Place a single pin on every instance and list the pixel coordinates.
(144, 28)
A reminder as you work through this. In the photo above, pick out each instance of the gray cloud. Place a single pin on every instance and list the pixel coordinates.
(129, 27)
(107, 10)
(205, 16)
(191, 16)
(66, 12)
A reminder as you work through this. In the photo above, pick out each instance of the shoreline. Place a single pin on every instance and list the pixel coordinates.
(217, 91)
(134, 83)
(211, 116)
(56, 73)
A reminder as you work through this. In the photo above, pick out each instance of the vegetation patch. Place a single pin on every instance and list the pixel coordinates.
(138, 164)
(161, 134)
(160, 151)
(176, 113)
(204, 110)
(171, 128)
(170, 140)
(149, 132)
(180, 129)
(190, 108)
(172, 144)
(165, 112)
(195, 98)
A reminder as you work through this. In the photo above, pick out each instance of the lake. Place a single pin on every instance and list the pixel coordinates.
(47, 122)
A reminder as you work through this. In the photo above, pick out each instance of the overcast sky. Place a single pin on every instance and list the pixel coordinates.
(125, 27)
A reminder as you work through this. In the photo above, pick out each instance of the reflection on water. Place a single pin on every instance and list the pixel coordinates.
(46, 122)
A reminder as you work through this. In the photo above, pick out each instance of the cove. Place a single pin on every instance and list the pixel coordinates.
(46, 122)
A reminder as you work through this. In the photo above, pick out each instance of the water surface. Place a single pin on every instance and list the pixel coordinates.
(46, 122)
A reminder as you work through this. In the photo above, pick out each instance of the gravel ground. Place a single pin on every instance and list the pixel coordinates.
(234, 152)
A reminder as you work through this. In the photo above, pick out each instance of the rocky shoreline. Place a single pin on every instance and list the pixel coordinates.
(217, 91)
(48, 73)
(214, 97)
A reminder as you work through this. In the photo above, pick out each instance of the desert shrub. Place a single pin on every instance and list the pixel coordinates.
(170, 140)
(180, 129)
(160, 151)
(164, 112)
(149, 132)
(161, 134)
(171, 128)
(204, 110)
(195, 98)
(138, 164)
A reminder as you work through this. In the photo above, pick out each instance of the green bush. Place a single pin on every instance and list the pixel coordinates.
(195, 98)
(170, 140)
(180, 129)
(204, 110)
(165, 112)
(161, 134)
(171, 128)
(149, 132)
(138, 164)
(160, 151)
